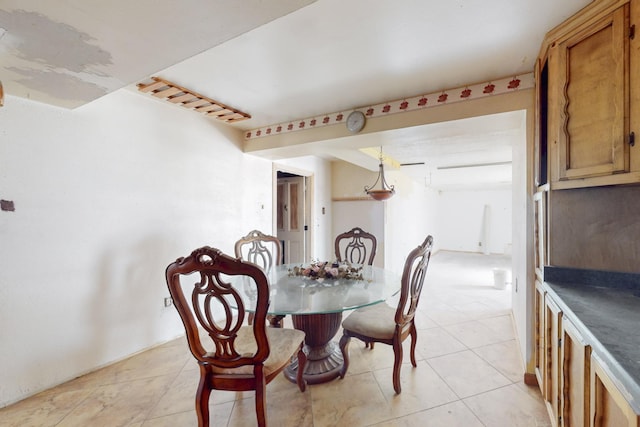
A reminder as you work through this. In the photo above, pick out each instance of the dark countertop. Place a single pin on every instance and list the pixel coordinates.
(605, 306)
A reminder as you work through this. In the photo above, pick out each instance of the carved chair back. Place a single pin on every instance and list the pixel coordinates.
(415, 269)
(356, 246)
(212, 310)
(259, 248)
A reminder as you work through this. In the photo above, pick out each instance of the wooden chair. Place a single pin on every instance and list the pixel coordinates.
(231, 356)
(356, 246)
(259, 248)
(264, 250)
(391, 325)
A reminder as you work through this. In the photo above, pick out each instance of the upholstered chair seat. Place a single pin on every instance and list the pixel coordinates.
(286, 341)
(391, 325)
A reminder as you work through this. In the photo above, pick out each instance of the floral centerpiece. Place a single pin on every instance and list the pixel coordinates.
(324, 270)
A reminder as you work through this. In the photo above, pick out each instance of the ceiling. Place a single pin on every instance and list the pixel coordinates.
(282, 60)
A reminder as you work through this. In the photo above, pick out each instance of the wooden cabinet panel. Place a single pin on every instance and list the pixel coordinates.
(609, 408)
(539, 350)
(541, 149)
(552, 337)
(540, 232)
(576, 361)
(592, 69)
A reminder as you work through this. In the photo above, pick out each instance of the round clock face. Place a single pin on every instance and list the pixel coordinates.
(355, 121)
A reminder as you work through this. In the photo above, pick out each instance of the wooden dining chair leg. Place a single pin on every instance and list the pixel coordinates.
(344, 348)
(261, 402)
(397, 364)
(414, 341)
(202, 398)
(302, 363)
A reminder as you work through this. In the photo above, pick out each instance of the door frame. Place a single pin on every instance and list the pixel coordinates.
(308, 195)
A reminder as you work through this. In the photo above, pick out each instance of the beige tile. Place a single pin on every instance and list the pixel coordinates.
(422, 388)
(180, 396)
(354, 401)
(437, 342)
(502, 325)
(449, 317)
(218, 416)
(505, 357)
(467, 374)
(533, 390)
(162, 360)
(362, 359)
(285, 408)
(474, 334)
(475, 310)
(509, 406)
(423, 321)
(118, 404)
(455, 414)
(44, 409)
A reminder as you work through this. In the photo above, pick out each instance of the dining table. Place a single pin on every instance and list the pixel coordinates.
(316, 306)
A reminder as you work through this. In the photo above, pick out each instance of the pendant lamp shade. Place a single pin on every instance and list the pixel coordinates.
(385, 191)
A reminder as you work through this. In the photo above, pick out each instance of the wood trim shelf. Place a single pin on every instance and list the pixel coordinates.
(179, 95)
(352, 199)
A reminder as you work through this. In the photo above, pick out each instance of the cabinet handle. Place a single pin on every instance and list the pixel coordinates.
(632, 139)
(632, 31)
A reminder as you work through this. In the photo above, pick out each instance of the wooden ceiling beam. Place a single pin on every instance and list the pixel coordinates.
(187, 98)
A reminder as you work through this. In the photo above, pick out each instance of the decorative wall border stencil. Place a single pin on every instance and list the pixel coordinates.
(435, 99)
(179, 95)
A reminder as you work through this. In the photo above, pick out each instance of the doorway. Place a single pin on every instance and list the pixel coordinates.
(293, 214)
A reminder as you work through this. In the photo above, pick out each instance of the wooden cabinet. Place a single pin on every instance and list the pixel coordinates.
(591, 67)
(552, 359)
(587, 74)
(576, 362)
(577, 388)
(609, 408)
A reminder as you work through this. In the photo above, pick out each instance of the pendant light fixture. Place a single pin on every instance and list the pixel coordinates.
(386, 190)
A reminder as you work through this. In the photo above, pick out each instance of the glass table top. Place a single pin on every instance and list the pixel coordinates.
(291, 294)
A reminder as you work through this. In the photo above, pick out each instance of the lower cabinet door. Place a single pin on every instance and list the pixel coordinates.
(552, 359)
(609, 407)
(576, 362)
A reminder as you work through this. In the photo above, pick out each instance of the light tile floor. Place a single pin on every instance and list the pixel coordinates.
(469, 374)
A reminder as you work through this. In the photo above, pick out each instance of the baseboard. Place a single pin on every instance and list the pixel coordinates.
(530, 379)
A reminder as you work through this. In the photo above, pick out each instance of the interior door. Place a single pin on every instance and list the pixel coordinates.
(290, 216)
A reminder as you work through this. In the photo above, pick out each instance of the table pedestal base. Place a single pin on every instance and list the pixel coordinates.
(324, 359)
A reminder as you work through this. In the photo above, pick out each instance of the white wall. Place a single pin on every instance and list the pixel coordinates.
(409, 219)
(366, 214)
(106, 196)
(462, 225)
(523, 284)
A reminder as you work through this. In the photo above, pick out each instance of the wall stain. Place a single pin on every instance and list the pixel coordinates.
(54, 47)
(59, 85)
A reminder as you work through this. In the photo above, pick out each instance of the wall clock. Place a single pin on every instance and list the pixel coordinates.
(355, 121)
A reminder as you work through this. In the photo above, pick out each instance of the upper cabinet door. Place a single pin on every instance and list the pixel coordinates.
(592, 98)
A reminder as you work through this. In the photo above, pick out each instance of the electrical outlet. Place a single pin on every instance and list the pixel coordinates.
(168, 301)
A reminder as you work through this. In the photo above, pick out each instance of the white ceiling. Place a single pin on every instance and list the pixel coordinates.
(282, 60)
